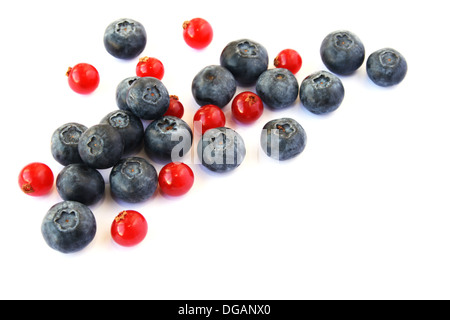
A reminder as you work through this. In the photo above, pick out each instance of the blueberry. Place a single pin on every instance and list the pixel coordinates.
(130, 128)
(168, 139)
(133, 180)
(101, 146)
(78, 182)
(148, 98)
(246, 60)
(283, 139)
(321, 92)
(69, 226)
(386, 67)
(221, 149)
(122, 92)
(342, 52)
(213, 85)
(125, 38)
(65, 143)
(277, 88)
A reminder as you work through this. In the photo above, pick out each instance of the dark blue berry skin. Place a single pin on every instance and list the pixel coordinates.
(167, 139)
(133, 180)
(125, 38)
(321, 92)
(246, 60)
(283, 139)
(130, 128)
(122, 92)
(386, 67)
(64, 144)
(78, 182)
(101, 146)
(148, 98)
(221, 149)
(277, 88)
(69, 227)
(342, 52)
(213, 85)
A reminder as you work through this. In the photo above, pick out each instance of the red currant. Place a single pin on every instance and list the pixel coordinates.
(247, 107)
(129, 228)
(176, 179)
(83, 78)
(36, 179)
(176, 108)
(150, 67)
(210, 116)
(288, 59)
(197, 33)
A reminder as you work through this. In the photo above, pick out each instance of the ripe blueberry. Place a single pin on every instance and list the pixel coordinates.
(213, 85)
(130, 128)
(101, 146)
(221, 149)
(125, 38)
(283, 139)
(321, 92)
(168, 139)
(245, 59)
(342, 52)
(277, 88)
(133, 180)
(69, 226)
(64, 143)
(386, 67)
(148, 98)
(78, 182)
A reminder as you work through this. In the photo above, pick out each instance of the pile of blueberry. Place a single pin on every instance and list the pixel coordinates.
(69, 226)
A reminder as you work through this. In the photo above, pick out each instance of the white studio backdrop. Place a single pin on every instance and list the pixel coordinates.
(362, 213)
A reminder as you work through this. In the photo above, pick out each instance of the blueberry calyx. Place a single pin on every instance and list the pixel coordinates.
(66, 220)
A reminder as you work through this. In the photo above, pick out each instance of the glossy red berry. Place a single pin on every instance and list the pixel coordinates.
(36, 179)
(176, 179)
(288, 59)
(83, 78)
(210, 116)
(197, 33)
(176, 108)
(150, 67)
(247, 107)
(129, 228)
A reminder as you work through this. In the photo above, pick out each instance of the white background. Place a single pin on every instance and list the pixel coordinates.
(363, 213)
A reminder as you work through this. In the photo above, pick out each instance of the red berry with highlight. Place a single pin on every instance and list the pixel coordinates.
(210, 116)
(176, 179)
(83, 78)
(247, 107)
(36, 179)
(176, 108)
(289, 59)
(197, 33)
(150, 67)
(129, 228)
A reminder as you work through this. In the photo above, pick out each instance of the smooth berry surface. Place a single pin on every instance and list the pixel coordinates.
(150, 67)
(83, 78)
(197, 33)
(176, 179)
(176, 108)
(210, 116)
(129, 228)
(36, 179)
(125, 38)
(69, 226)
(288, 59)
(247, 107)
